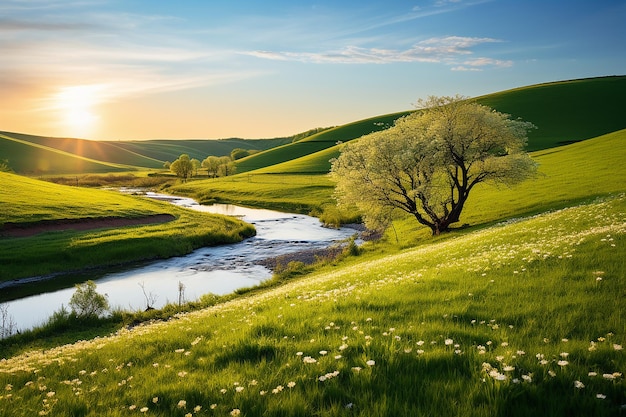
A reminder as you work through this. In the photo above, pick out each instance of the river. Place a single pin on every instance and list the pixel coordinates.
(218, 270)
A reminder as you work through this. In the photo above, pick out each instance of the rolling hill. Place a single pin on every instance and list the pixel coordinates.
(564, 112)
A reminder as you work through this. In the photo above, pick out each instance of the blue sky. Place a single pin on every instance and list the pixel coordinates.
(214, 69)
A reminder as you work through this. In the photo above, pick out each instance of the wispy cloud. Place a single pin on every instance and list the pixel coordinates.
(444, 50)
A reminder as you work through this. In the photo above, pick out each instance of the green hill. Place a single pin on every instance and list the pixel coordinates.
(30, 158)
(39, 155)
(567, 111)
(564, 112)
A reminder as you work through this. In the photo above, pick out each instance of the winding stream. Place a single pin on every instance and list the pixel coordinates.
(218, 270)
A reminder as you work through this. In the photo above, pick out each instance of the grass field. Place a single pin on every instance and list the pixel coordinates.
(519, 314)
(520, 319)
(25, 200)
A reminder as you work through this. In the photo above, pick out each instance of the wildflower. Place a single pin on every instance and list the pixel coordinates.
(197, 408)
(356, 368)
(132, 407)
(213, 406)
(253, 382)
(579, 385)
(8, 387)
(277, 389)
(323, 352)
(608, 376)
(308, 359)
(528, 378)
(179, 350)
(338, 357)
(504, 344)
(617, 347)
(564, 354)
(291, 384)
(370, 362)
(239, 389)
(155, 400)
(51, 394)
(182, 374)
(262, 392)
(182, 404)
(592, 374)
(235, 412)
(551, 373)
(600, 396)
(343, 347)
(299, 353)
(223, 390)
(188, 415)
(508, 368)
(448, 342)
(562, 363)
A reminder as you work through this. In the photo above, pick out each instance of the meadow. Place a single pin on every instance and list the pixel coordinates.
(522, 318)
(520, 313)
(27, 201)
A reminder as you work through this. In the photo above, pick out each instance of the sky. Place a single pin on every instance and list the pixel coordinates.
(133, 69)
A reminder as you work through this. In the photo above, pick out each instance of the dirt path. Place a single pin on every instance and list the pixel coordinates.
(35, 228)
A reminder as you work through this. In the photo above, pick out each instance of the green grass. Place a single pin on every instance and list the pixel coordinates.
(566, 111)
(24, 200)
(316, 143)
(474, 325)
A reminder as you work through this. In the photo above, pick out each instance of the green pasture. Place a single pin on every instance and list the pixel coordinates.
(563, 112)
(36, 159)
(25, 200)
(523, 318)
(566, 111)
(315, 143)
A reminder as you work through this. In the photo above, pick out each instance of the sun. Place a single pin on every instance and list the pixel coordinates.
(76, 106)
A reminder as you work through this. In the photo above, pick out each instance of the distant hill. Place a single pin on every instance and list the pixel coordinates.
(564, 112)
(38, 155)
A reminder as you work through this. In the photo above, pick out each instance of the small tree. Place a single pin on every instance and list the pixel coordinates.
(227, 167)
(211, 164)
(86, 302)
(195, 166)
(428, 162)
(182, 167)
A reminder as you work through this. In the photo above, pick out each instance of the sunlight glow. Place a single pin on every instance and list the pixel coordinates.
(76, 106)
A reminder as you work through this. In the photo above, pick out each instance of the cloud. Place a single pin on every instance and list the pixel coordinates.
(435, 50)
(477, 64)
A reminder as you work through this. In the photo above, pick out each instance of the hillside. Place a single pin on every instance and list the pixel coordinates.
(38, 155)
(563, 112)
(521, 319)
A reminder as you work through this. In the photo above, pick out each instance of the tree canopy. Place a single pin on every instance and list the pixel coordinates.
(429, 161)
(182, 167)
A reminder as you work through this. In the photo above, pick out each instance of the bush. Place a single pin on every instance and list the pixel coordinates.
(86, 302)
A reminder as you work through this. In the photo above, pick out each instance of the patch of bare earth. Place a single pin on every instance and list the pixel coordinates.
(35, 228)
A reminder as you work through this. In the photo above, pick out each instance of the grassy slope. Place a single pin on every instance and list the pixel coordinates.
(28, 200)
(28, 154)
(316, 143)
(28, 158)
(564, 112)
(507, 321)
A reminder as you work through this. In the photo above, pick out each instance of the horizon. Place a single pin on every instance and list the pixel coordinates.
(107, 70)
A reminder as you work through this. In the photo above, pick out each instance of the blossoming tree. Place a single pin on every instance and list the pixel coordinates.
(427, 163)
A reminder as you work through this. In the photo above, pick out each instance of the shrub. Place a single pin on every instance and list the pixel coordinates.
(86, 302)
